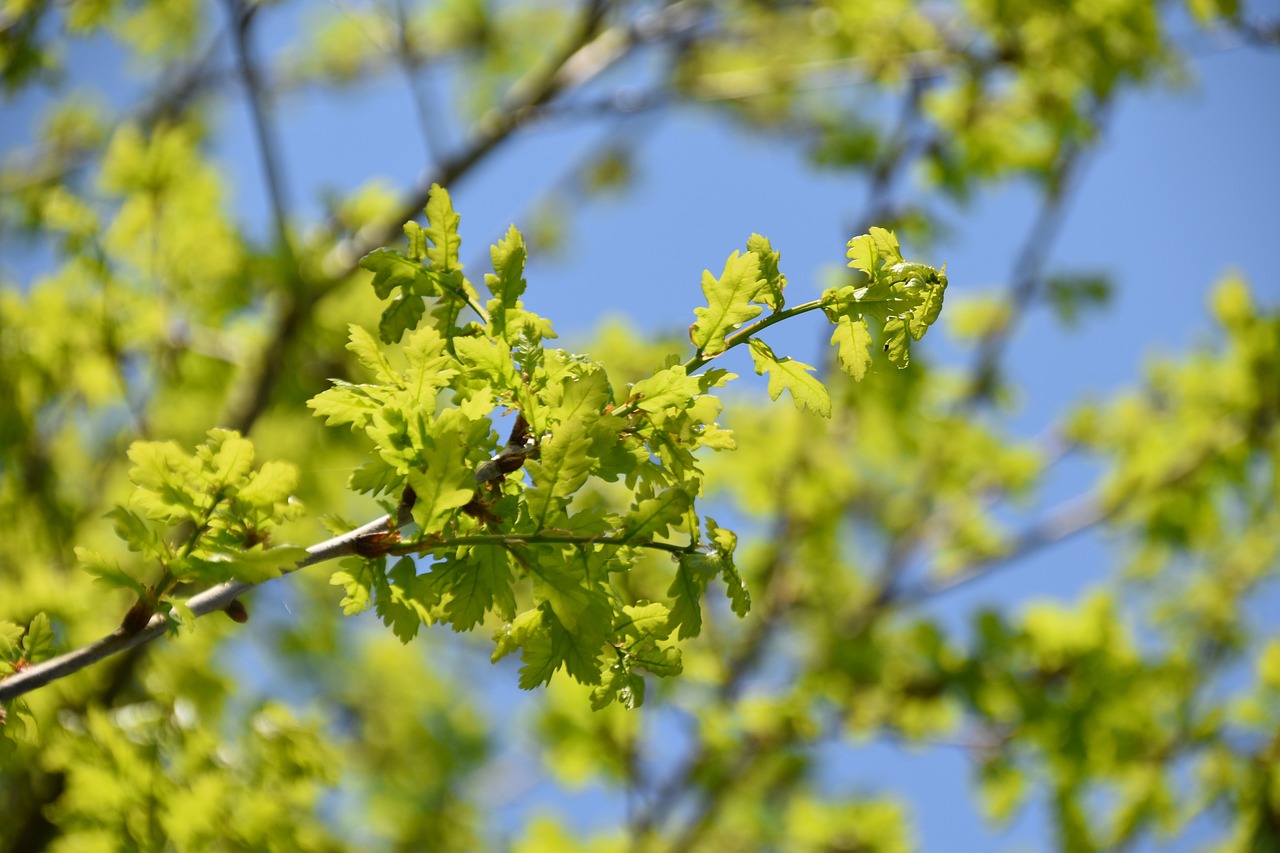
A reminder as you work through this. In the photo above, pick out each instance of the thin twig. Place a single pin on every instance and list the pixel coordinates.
(1068, 519)
(585, 57)
(1028, 268)
(268, 148)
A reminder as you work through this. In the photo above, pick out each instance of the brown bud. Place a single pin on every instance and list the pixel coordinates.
(236, 612)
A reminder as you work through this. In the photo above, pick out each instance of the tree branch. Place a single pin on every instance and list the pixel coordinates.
(203, 603)
(586, 55)
(1069, 518)
(1028, 268)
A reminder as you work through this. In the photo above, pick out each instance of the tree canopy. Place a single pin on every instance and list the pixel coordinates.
(713, 566)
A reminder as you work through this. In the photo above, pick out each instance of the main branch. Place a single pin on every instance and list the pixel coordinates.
(210, 601)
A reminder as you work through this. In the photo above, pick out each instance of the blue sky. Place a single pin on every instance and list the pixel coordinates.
(1184, 187)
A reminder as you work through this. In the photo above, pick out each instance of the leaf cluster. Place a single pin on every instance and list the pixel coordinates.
(196, 520)
(505, 529)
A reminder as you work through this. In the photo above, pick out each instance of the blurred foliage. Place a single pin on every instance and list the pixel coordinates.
(155, 315)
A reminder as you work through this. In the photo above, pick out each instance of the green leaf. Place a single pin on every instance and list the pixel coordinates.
(228, 457)
(643, 620)
(476, 582)
(868, 252)
(906, 297)
(664, 661)
(735, 587)
(853, 339)
(579, 604)
(374, 477)
(774, 281)
(345, 403)
(652, 518)
(445, 481)
(257, 564)
(272, 484)
(417, 240)
(725, 542)
(160, 470)
(108, 572)
(37, 645)
(356, 581)
(545, 646)
(618, 683)
(442, 230)
(404, 313)
(729, 302)
(11, 634)
(397, 602)
(693, 573)
(531, 632)
(561, 469)
(393, 271)
(580, 394)
(487, 360)
(369, 353)
(409, 280)
(429, 367)
(794, 376)
(895, 342)
(137, 533)
(667, 392)
(506, 283)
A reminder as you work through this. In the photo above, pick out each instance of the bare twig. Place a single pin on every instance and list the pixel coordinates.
(587, 54)
(1068, 519)
(268, 148)
(1028, 268)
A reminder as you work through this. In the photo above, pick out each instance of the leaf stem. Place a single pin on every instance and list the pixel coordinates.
(746, 332)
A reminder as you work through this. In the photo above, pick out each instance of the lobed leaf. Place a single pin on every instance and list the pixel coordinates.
(37, 645)
(442, 231)
(853, 341)
(770, 294)
(728, 302)
(795, 376)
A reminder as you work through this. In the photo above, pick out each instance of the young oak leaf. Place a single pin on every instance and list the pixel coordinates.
(107, 572)
(507, 285)
(643, 620)
(693, 572)
(356, 581)
(442, 231)
(544, 647)
(664, 661)
(562, 467)
(37, 645)
(905, 297)
(852, 339)
(444, 482)
(397, 599)
(806, 390)
(725, 542)
(652, 518)
(369, 354)
(579, 604)
(618, 683)
(774, 281)
(728, 302)
(868, 252)
(408, 279)
(476, 581)
(10, 637)
(666, 393)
